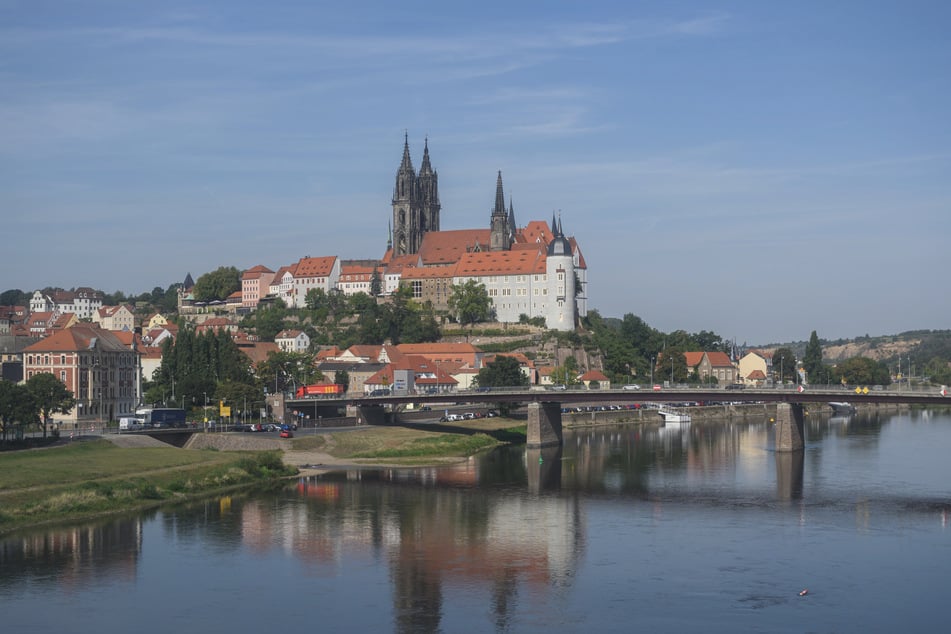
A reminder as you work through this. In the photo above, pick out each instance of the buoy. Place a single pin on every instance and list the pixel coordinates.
(804, 592)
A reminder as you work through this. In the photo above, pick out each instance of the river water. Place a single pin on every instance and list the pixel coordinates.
(692, 528)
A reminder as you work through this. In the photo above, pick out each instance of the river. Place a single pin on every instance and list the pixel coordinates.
(691, 528)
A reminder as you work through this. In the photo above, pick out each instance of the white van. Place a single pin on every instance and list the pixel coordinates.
(131, 423)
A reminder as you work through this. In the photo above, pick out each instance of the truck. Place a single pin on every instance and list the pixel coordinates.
(131, 423)
(319, 389)
(157, 417)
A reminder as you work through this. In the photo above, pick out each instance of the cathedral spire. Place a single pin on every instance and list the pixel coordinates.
(425, 168)
(499, 209)
(500, 237)
(407, 163)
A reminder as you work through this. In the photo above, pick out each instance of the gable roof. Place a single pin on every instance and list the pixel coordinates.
(315, 267)
(719, 359)
(518, 262)
(446, 247)
(693, 359)
(77, 339)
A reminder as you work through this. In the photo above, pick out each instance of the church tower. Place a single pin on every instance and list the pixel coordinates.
(500, 236)
(428, 194)
(415, 202)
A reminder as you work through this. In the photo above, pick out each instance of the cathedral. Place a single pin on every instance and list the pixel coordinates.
(531, 271)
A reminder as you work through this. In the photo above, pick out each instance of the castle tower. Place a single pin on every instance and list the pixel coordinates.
(415, 202)
(500, 237)
(559, 265)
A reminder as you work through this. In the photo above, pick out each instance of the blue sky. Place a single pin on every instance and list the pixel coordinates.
(759, 169)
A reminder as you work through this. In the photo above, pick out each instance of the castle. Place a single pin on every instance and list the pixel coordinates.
(532, 271)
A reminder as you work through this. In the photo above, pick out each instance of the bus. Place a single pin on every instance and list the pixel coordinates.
(157, 417)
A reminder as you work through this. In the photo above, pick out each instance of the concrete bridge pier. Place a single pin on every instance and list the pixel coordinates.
(789, 427)
(544, 425)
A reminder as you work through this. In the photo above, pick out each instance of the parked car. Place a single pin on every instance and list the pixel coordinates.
(631, 386)
(287, 433)
(561, 386)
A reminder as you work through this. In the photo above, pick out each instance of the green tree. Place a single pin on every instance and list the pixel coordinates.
(816, 371)
(342, 377)
(267, 321)
(784, 364)
(863, 371)
(218, 284)
(17, 410)
(469, 303)
(14, 297)
(505, 371)
(239, 396)
(50, 396)
(376, 284)
(315, 299)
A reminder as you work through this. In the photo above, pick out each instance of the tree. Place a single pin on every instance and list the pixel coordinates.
(50, 396)
(376, 285)
(17, 409)
(342, 377)
(218, 284)
(816, 371)
(505, 371)
(784, 364)
(470, 302)
(863, 371)
(14, 297)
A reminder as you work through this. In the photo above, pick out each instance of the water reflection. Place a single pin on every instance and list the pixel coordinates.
(513, 526)
(66, 559)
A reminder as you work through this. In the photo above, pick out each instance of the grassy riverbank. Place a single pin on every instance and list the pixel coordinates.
(92, 478)
(411, 445)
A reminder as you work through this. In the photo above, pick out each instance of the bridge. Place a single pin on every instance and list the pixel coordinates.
(545, 405)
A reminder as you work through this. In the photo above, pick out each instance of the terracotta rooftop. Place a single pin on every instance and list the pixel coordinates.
(520, 262)
(315, 267)
(447, 247)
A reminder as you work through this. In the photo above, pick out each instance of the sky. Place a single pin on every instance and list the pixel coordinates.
(756, 169)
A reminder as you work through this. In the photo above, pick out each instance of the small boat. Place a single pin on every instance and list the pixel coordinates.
(671, 416)
(842, 408)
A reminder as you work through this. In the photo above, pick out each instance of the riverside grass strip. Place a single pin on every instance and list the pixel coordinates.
(94, 478)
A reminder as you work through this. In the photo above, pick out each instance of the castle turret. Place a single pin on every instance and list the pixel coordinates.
(559, 265)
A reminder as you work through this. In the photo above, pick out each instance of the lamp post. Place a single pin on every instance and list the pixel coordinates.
(652, 372)
(205, 410)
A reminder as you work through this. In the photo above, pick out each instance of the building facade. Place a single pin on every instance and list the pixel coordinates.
(101, 372)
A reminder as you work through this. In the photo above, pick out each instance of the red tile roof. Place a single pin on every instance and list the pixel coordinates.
(315, 267)
(520, 262)
(447, 247)
(78, 338)
(719, 360)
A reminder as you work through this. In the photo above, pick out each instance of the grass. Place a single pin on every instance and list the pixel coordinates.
(88, 479)
(417, 444)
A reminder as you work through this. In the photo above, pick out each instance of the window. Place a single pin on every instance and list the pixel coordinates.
(62, 375)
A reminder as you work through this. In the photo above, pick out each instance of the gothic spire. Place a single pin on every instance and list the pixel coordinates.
(512, 226)
(499, 198)
(407, 163)
(425, 168)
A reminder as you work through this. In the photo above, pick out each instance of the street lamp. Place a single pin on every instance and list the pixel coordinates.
(652, 372)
